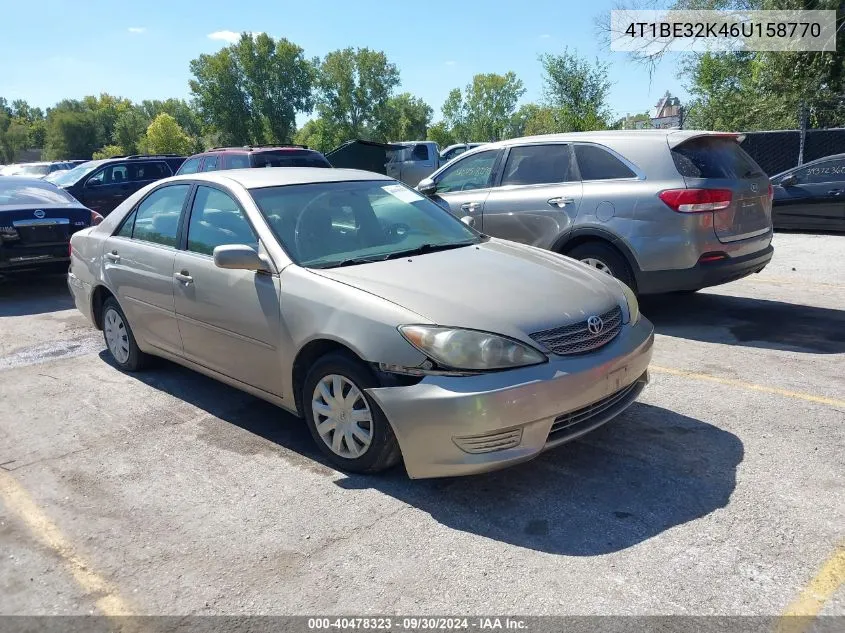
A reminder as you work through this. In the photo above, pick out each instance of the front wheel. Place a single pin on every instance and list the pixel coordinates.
(605, 259)
(348, 426)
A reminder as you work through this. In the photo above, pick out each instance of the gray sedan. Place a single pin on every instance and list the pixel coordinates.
(397, 331)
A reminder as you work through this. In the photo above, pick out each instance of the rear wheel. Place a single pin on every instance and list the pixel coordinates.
(347, 425)
(119, 338)
(605, 259)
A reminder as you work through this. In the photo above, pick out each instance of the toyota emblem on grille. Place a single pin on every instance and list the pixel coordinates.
(40, 214)
(595, 325)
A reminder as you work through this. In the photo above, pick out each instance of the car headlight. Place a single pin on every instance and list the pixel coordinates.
(455, 348)
(633, 304)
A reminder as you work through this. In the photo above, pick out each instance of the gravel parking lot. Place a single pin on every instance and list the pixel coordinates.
(721, 492)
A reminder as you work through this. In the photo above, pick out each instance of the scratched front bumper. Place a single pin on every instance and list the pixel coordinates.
(431, 417)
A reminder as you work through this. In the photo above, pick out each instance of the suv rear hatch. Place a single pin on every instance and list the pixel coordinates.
(717, 162)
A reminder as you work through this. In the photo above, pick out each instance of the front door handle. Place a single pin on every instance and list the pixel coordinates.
(560, 201)
(184, 277)
(471, 207)
(113, 256)
(835, 192)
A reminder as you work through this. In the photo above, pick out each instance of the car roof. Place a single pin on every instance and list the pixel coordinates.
(278, 176)
(674, 137)
(26, 180)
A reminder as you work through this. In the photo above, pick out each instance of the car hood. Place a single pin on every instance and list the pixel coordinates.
(496, 286)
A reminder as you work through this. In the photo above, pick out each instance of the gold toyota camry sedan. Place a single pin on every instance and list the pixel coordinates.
(396, 330)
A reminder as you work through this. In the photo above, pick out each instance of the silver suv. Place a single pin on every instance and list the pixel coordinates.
(661, 210)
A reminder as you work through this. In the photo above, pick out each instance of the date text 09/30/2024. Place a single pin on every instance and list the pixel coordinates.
(416, 624)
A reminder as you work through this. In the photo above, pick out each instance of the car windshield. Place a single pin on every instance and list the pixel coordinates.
(324, 225)
(25, 193)
(72, 176)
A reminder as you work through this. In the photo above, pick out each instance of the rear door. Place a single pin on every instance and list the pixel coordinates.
(537, 196)
(816, 200)
(463, 187)
(718, 162)
(138, 262)
(143, 173)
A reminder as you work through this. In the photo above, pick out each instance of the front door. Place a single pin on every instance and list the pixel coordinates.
(816, 200)
(138, 265)
(537, 197)
(229, 320)
(107, 188)
(463, 187)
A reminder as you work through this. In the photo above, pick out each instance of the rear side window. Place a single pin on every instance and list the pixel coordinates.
(236, 161)
(420, 152)
(825, 171)
(149, 171)
(289, 158)
(538, 164)
(210, 163)
(714, 157)
(157, 217)
(596, 163)
(190, 166)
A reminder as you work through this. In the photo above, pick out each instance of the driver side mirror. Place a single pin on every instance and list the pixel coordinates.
(788, 181)
(240, 257)
(427, 187)
(468, 220)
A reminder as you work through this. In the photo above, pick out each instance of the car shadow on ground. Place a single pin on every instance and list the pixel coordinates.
(647, 471)
(716, 318)
(34, 293)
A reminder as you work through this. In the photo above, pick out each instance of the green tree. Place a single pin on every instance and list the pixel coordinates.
(106, 109)
(354, 88)
(441, 134)
(250, 92)
(109, 151)
(185, 114)
(484, 111)
(575, 92)
(13, 137)
(129, 129)
(165, 136)
(405, 118)
(71, 134)
(532, 119)
(319, 134)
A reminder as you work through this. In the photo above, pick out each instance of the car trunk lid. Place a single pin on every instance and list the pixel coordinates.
(26, 227)
(716, 161)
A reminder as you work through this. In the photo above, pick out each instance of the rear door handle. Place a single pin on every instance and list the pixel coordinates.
(113, 256)
(470, 206)
(184, 277)
(560, 201)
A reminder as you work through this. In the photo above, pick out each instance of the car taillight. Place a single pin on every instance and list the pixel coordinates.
(96, 218)
(771, 192)
(696, 200)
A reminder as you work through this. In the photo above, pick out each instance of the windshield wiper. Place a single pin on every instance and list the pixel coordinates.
(427, 248)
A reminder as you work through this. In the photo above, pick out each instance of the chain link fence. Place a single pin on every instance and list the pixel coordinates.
(778, 151)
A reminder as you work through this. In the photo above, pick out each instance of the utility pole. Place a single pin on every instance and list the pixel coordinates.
(802, 133)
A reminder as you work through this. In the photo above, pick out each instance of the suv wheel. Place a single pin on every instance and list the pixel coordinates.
(605, 259)
(349, 427)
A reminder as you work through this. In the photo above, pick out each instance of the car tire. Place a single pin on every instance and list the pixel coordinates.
(381, 451)
(119, 339)
(604, 258)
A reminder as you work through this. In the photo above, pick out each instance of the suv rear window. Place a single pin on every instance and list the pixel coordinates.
(714, 157)
(289, 158)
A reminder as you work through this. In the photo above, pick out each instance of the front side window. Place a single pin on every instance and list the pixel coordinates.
(323, 225)
(157, 217)
(538, 164)
(825, 171)
(111, 175)
(596, 163)
(420, 152)
(217, 220)
(190, 166)
(210, 163)
(471, 172)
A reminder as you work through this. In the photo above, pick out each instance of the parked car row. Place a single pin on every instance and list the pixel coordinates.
(40, 169)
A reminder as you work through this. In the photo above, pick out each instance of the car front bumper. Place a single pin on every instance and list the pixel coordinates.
(449, 426)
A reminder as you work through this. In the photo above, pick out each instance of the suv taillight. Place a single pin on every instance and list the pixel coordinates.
(771, 192)
(96, 218)
(696, 200)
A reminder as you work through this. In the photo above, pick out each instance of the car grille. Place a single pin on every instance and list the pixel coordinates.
(575, 422)
(577, 338)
